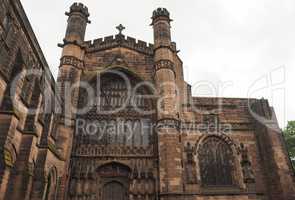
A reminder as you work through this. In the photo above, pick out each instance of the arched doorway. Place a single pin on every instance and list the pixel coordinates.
(114, 178)
(114, 191)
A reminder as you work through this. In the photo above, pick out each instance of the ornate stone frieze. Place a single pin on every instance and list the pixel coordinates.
(164, 64)
(246, 165)
(168, 123)
(190, 166)
(112, 151)
(70, 60)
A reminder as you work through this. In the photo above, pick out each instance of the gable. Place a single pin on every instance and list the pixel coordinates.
(136, 62)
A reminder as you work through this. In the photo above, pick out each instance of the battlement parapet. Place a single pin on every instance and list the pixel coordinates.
(161, 12)
(119, 40)
(79, 7)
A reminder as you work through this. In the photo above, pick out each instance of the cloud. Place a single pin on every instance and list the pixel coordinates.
(233, 40)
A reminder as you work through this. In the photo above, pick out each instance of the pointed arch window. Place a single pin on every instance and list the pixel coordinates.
(216, 162)
(122, 111)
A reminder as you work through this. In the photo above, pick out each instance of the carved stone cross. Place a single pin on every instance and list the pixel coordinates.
(120, 28)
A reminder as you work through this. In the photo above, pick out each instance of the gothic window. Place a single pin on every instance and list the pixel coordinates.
(119, 112)
(216, 162)
(116, 93)
(130, 132)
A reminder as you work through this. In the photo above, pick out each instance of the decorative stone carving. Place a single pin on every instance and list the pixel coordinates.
(165, 64)
(70, 60)
(8, 158)
(167, 123)
(246, 165)
(211, 123)
(190, 165)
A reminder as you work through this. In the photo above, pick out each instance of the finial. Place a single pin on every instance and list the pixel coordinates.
(120, 28)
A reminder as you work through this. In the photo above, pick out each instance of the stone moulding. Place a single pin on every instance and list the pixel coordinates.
(165, 64)
(70, 60)
(168, 123)
(113, 151)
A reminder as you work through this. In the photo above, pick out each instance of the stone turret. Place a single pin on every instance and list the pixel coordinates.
(165, 76)
(168, 123)
(72, 56)
(70, 70)
(161, 23)
(77, 22)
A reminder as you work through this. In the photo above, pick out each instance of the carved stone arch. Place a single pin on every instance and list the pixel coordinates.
(225, 157)
(91, 75)
(224, 137)
(114, 179)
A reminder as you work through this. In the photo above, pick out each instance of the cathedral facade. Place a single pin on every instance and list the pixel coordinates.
(120, 122)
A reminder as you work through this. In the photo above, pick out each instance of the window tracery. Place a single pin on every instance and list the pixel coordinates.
(216, 162)
(119, 116)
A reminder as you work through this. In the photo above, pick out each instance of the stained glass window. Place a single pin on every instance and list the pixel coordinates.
(216, 162)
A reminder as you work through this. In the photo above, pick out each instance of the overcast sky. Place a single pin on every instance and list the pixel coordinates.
(241, 48)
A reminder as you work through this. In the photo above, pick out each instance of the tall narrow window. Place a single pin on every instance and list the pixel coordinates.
(216, 162)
